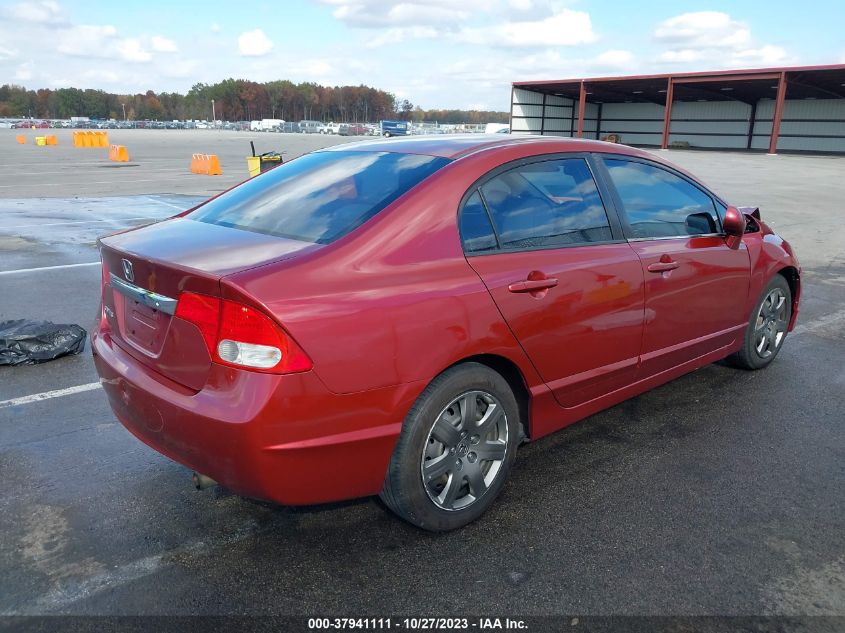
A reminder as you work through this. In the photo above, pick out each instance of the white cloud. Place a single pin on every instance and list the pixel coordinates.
(382, 13)
(254, 43)
(703, 29)
(181, 69)
(130, 50)
(87, 40)
(615, 59)
(565, 28)
(763, 56)
(45, 13)
(521, 5)
(215, 28)
(682, 56)
(7, 53)
(400, 34)
(715, 40)
(316, 67)
(164, 45)
(24, 72)
(99, 77)
(101, 42)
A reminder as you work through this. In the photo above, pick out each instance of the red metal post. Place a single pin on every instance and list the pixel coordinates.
(582, 104)
(667, 112)
(778, 115)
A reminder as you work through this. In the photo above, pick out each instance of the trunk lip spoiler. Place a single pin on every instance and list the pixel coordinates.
(141, 295)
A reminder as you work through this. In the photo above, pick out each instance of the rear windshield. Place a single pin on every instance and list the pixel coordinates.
(319, 197)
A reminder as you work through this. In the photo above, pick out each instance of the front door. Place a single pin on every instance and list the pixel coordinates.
(695, 284)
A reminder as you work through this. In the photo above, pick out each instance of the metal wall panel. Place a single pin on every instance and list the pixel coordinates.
(558, 101)
(527, 96)
(635, 123)
(526, 125)
(609, 126)
(652, 139)
(558, 111)
(528, 110)
(810, 144)
(632, 111)
(710, 110)
(808, 124)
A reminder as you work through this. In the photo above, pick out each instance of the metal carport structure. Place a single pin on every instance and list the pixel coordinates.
(792, 108)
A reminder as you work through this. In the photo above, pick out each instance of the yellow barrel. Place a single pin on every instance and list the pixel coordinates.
(40, 140)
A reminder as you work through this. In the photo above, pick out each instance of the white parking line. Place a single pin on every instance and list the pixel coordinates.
(47, 395)
(187, 175)
(174, 206)
(35, 270)
(834, 319)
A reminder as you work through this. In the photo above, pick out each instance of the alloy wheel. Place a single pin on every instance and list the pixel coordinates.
(465, 450)
(771, 324)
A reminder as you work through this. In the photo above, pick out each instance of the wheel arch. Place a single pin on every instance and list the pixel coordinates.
(793, 278)
(510, 371)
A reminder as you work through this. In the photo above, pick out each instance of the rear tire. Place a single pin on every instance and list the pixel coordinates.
(455, 451)
(767, 326)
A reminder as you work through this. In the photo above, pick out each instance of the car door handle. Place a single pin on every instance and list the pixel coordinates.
(662, 267)
(532, 285)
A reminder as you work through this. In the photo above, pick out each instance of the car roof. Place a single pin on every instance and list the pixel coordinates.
(454, 146)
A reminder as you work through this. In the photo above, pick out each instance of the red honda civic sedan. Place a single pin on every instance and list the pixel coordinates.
(395, 317)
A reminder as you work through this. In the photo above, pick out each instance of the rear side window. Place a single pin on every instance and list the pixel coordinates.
(546, 204)
(657, 203)
(476, 230)
(319, 197)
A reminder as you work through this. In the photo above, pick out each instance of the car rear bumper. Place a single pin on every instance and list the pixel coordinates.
(287, 439)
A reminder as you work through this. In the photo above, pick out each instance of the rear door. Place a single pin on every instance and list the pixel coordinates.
(564, 279)
(696, 286)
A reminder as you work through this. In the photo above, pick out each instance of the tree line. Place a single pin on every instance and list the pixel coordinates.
(234, 100)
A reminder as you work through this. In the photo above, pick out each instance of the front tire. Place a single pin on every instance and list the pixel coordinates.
(455, 451)
(767, 326)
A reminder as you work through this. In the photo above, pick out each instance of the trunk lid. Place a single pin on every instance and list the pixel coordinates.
(146, 269)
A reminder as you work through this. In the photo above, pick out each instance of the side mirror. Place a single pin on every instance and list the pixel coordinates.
(734, 226)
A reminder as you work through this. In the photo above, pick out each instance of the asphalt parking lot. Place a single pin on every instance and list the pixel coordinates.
(721, 493)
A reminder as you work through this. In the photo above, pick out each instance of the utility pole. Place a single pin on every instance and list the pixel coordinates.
(123, 105)
(213, 115)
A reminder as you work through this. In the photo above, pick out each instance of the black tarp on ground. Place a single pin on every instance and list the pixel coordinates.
(25, 342)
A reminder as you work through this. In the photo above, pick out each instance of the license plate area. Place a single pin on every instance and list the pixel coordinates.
(142, 316)
(143, 325)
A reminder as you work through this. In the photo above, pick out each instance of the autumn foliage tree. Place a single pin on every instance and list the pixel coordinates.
(234, 100)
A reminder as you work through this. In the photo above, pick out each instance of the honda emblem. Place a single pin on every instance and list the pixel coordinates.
(127, 270)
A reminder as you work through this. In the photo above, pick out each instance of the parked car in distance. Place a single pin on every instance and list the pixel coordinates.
(395, 317)
(354, 129)
(31, 123)
(290, 127)
(395, 128)
(310, 127)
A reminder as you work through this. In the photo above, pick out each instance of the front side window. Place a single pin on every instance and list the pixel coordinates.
(546, 204)
(319, 197)
(657, 203)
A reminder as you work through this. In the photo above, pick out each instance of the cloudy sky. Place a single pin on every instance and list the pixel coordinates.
(437, 53)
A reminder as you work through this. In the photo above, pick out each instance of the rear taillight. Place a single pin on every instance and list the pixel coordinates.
(241, 336)
(204, 312)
